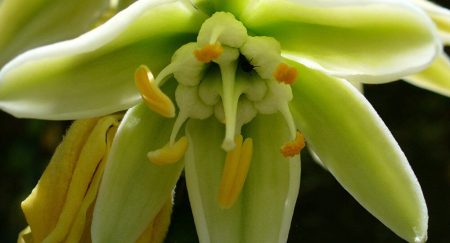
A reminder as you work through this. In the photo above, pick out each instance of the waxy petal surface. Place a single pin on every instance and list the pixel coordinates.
(204, 162)
(273, 183)
(233, 6)
(347, 38)
(133, 190)
(435, 78)
(93, 74)
(26, 24)
(440, 16)
(357, 148)
(263, 211)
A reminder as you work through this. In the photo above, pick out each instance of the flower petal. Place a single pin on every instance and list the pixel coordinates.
(272, 185)
(264, 209)
(210, 6)
(347, 38)
(133, 190)
(440, 16)
(26, 24)
(58, 207)
(435, 78)
(357, 148)
(93, 74)
(204, 165)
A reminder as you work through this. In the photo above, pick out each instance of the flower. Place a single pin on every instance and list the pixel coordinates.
(436, 76)
(264, 69)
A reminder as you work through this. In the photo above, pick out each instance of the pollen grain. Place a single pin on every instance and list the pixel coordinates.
(209, 52)
(294, 147)
(285, 74)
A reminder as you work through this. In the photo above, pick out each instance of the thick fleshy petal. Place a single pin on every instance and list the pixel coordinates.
(357, 148)
(133, 190)
(347, 38)
(204, 161)
(210, 6)
(93, 74)
(435, 78)
(263, 211)
(26, 24)
(59, 208)
(272, 185)
(440, 16)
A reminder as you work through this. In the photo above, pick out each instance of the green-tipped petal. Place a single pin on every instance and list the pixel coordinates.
(440, 16)
(210, 6)
(357, 148)
(435, 78)
(348, 38)
(133, 190)
(93, 74)
(26, 24)
(264, 209)
(204, 161)
(272, 185)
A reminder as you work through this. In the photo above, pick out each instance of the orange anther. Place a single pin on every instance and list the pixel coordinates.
(294, 147)
(285, 74)
(209, 52)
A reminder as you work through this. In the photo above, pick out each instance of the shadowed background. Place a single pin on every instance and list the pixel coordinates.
(325, 212)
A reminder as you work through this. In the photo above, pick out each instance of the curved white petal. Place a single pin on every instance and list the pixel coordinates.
(93, 74)
(133, 190)
(26, 24)
(435, 78)
(440, 16)
(348, 38)
(356, 147)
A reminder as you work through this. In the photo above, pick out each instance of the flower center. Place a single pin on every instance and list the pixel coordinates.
(232, 76)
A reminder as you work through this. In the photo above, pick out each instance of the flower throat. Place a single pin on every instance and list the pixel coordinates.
(232, 76)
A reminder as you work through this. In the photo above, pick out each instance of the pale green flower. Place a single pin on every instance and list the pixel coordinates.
(251, 46)
(437, 76)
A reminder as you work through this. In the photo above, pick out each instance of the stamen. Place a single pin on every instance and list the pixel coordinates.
(169, 154)
(285, 74)
(294, 147)
(235, 171)
(209, 52)
(153, 97)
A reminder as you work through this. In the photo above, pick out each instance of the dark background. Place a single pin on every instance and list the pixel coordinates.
(418, 119)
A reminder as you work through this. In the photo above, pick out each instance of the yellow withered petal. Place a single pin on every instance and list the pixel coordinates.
(56, 209)
(152, 95)
(44, 205)
(25, 236)
(170, 153)
(235, 171)
(82, 221)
